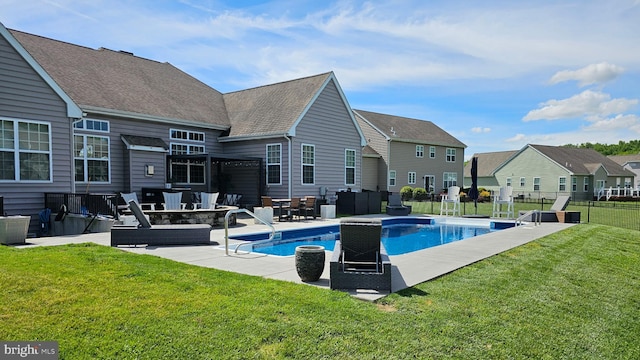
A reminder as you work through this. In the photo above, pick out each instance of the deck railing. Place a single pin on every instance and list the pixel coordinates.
(84, 204)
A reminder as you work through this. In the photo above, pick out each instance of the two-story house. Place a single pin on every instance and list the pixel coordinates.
(409, 152)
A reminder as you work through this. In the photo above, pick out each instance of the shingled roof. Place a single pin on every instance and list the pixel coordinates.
(123, 83)
(488, 162)
(580, 161)
(625, 159)
(409, 130)
(272, 110)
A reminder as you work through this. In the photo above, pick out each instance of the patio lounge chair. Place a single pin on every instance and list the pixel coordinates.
(359, 258)
(395, 207)
(561, 203)
(145, 233)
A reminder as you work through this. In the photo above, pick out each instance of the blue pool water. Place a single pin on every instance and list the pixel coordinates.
(398, 237)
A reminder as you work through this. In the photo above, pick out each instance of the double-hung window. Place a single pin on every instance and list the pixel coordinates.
(274, 164)
(574, 184)
(449, 179)
(392, 178)
(91, 154)
(432, 152)
(350, 167)
(536, 184)
(187, 142)
(419, 151)
(451, 155)
(25, 150)
(522, 182)
(562, 183)
(308, 164)
(411, 177)
(585, 184)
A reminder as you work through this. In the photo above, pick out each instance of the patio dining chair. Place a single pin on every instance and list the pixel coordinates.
(309, 207)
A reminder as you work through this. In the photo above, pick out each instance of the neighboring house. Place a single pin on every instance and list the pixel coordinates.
(631, 163)
(410, 152)
(487, 164)
(103, 121)
(540, 171)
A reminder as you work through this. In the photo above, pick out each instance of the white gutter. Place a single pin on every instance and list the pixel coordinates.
(290, 156)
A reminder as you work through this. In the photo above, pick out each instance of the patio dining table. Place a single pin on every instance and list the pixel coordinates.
(280, 204)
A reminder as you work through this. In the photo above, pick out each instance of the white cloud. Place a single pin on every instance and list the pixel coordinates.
(591, 74)
(586, 104)
(516, 138)
(620, 121)
(480, 130)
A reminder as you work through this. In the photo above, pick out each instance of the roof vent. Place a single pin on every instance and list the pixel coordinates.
(125, 52)
(393, 131)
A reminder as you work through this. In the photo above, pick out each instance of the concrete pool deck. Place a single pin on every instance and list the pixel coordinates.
(408, 269)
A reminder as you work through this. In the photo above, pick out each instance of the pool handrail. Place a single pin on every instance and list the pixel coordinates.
(226, 227)
(535, 214)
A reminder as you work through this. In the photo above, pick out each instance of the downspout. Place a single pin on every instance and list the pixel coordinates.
(289, 156)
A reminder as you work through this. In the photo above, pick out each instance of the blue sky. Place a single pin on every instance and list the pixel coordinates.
(495, 74)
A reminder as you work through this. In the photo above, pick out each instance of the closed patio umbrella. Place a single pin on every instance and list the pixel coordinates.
(473, 192)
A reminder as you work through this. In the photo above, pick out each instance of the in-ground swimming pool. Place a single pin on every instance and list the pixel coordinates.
(399, 235)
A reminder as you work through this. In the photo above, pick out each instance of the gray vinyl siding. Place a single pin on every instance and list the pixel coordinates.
(24, 95)
(403, 160)
(245, 184)
(370, 173)
(379, 143)
(128, 167)
(328, 126)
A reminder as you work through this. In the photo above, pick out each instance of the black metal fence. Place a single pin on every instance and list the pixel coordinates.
(85, 204)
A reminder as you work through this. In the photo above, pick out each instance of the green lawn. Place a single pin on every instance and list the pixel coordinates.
(571, 295)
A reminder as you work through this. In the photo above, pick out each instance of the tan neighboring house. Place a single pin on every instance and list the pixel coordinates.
(487, 164)
(408, 152)
(541, 171)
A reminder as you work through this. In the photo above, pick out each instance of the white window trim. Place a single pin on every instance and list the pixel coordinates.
(523, 182)
(85, 159)
(419, 151)
(392, 176)
(451, 153)
(302, 164)
(84, 125)
(411, 177)
(279, 145)
(16, 152)
(354, 167)
(538, 184)
(172, 130)
(432, 152)
(585, 184)
(560, 183)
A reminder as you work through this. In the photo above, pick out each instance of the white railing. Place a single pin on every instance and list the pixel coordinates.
(226, 227)
(610, 192)
(536, 217)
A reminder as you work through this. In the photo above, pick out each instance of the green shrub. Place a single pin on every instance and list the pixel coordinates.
(420, 194)
(406, 192)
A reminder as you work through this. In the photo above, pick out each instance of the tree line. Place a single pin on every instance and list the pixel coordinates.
(621, 148)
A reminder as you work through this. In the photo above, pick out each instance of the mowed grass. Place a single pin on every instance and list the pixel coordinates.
(570, 295)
